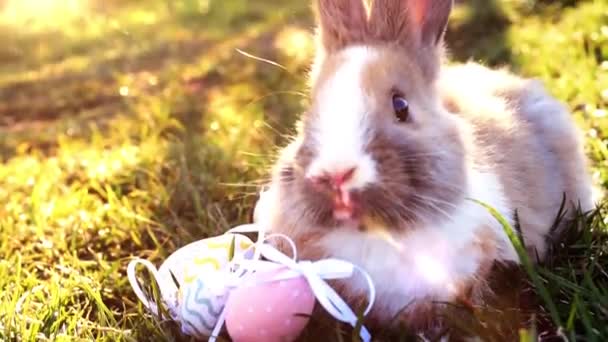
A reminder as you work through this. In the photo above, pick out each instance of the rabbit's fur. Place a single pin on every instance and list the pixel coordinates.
(472, 133)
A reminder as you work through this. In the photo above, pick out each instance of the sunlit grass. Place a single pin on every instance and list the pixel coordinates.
(140, 169)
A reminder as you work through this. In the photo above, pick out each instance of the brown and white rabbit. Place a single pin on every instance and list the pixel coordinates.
(395, 144)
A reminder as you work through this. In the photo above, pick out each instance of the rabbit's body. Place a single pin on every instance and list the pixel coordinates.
(528, 138)
(387, 184)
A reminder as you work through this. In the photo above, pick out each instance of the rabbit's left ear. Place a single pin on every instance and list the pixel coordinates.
(431, 17)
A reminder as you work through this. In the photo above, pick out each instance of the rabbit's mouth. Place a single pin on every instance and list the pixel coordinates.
(346, 206)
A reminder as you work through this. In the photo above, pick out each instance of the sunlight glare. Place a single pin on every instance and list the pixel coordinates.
(295, 43)
(48, 12)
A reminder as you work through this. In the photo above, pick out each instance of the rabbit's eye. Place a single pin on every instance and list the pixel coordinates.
(401, 107)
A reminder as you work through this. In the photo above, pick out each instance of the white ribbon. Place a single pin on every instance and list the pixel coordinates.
(162, 285)
(314, 272)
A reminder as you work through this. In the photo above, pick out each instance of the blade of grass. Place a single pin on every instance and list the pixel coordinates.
(526, 263)
(572, 315)
(583, 313)
(232, 248)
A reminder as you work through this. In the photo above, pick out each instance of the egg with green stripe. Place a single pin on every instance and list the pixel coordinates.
(199, 270)
(201, 305)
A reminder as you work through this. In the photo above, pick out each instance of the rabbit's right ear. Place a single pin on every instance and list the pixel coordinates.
(341, 23)
(422, 22)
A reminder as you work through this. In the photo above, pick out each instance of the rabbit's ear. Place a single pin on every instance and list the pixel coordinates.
(431, 18)
(412, 21)
(341, 22)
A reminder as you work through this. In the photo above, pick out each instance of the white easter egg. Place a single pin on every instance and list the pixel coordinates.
(207, 255)
(191, 281)
(202, 303)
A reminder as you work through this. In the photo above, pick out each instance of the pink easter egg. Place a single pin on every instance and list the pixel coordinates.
(274, 311)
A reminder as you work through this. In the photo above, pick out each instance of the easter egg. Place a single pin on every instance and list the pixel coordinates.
(199, 269)
(269, 311)
(202, 302)
(202, 257)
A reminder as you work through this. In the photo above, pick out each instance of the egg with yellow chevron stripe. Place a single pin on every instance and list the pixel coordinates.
(203, 256)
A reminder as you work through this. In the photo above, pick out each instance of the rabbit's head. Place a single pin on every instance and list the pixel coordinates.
(376, 146)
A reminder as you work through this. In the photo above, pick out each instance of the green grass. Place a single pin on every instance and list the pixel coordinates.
(130, 129)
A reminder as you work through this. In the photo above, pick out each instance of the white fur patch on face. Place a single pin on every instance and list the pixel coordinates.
(342, 128)
(425, 262)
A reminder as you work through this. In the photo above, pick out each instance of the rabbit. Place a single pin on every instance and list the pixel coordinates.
(396, 145)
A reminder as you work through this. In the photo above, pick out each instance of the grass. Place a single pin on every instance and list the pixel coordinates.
(130, 130)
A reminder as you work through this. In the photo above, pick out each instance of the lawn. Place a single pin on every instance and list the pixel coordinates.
(130, 129)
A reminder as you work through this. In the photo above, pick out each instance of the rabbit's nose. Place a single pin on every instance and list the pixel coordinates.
(334, 180)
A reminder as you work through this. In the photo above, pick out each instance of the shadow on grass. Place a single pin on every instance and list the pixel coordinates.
(477, 32)
(93, 87)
